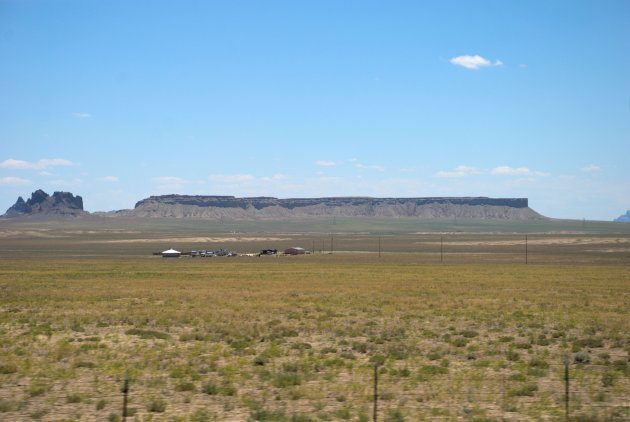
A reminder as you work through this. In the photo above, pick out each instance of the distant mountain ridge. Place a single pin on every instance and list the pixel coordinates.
(624, 218)
(264, 208)
(40, 203)
(269, 208)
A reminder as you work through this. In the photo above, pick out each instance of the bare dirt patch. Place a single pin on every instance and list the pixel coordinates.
(194, 240)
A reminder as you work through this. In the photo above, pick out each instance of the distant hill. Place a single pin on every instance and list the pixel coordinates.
(624, 218)
(269, 208)
(40, 203)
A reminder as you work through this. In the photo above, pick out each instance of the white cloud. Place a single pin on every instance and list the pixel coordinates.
(407, 170)
(516, 171)
(81, 115)
(38, 165)
(474, 62)
(275, 177)
(369, 167)
(63, 182)
(170, 180)
(325, 163)
(14, 181)
(591, 168)
(111, 179)
(173, 183)
(234, 178)
(460, 171)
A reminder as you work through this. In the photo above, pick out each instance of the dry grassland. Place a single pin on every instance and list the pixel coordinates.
(296, 339)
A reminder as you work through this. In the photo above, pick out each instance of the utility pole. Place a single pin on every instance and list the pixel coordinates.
(125, 391)
(566, 388)
(379, 246)
(331, 243)
(375, 391)
(525, 249)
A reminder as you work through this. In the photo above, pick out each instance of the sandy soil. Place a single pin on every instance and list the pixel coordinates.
(545, 241)
(195, 240)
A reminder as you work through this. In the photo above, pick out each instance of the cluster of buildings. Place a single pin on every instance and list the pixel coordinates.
(172, 253)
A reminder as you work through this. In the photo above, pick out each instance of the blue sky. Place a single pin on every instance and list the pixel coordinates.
(119, 100)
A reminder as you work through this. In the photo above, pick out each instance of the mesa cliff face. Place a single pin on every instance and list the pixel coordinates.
(40, 203)
(213, 207)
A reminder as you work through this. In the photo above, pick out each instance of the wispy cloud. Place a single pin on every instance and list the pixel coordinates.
(374, 167)
(109, 179)
(325, 163)
(65, 183)
(37, 165)
(275, 177)
(171, 180)
(459, 171)
(233, 178)
(81, 115)
(515, 171)
(474, 62)
(591, 168)
(14, 181)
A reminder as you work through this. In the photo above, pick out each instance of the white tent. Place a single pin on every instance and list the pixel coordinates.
(171, 253)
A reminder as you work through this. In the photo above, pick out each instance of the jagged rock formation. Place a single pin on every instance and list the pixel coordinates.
(40, 203)
(624, 218)
(216, 207)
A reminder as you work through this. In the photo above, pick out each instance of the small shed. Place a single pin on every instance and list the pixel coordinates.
(171, 253)
(294, 251)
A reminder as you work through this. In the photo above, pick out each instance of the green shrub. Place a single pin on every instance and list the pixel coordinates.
(538, 363)
(261, 360)
(147, 334)
(608, 379)
(517, 377)
(227, 389)
(185, 386)
(527, 390)
(156, 406)
(360, 347)
(210, 388)
(73, 398)
(7, 406)
(394, 415)
(459, 342)
(435, 354)
(378, 359)
(426, 372)
(35, 390)
(286, 379)
(8, 368)
(582, 357)
(590, 342)
(512, 356)
(201, 415)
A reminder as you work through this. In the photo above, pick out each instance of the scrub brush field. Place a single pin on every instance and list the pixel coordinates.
(297, 339)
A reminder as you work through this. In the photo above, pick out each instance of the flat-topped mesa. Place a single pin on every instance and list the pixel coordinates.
(260, 202)
(202, 206)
